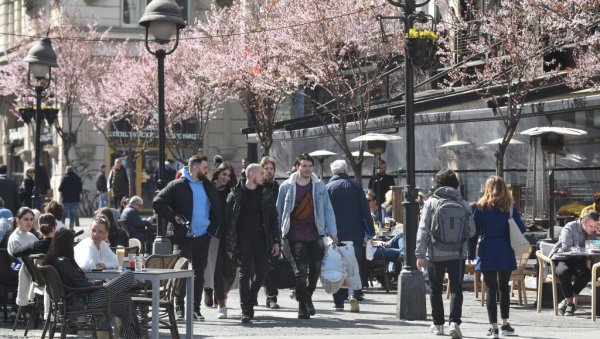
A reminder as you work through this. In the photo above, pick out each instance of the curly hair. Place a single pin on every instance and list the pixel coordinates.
(495, 194)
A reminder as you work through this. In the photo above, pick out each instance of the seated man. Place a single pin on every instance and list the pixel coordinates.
(393, 248)
(574, 234)
(138, 228)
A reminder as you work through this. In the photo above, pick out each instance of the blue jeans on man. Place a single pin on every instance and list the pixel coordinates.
(102, 199)
(71, 211)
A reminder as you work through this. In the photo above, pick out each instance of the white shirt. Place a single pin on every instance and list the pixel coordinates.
(87, 255)
(17, 241)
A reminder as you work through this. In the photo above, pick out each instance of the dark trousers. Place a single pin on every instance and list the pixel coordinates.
(437, 270)
(566, 270)
(342, 294)
(225, 269)
(308, 256)
(271, 291)
(117, 200)
(496, 283)
(195, 249)
(254, 260)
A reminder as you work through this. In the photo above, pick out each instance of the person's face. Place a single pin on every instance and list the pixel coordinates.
(269, 172)
(103, 168)
(382, 168)
(98, 232)
(25, 222)
(30, 173)
(137, 205)
(305, 169)
(203, 169)
(244, 163)
(372, 203)
(224, 178)
(258, 176)
(118, 164)
(589, 225)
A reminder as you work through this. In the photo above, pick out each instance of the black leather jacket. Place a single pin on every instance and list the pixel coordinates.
(177, 199)
(269, 217)
(70, 273)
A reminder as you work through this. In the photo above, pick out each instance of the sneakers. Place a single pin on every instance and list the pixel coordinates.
(222, 313)
(354, 305)
(570, 310)
(455, 332)
(507, 329)
(272, 304)
(493, 333)
(198, 315)
(180, 313)
(562, 307)
(437, 329)
(338, 308)
(246, 319)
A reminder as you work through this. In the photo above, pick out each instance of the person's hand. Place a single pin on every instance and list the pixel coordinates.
(334, 238)
(100, 266)
(421, 263)
(178, 220)
(275, 250)
(230, 254)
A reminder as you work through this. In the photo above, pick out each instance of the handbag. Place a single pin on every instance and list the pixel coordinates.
(281, 274)
(518, 242)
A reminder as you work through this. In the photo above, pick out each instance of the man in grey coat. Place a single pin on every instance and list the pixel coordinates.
(442, 260)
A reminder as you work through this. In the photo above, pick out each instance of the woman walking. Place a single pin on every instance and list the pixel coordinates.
(495, 256)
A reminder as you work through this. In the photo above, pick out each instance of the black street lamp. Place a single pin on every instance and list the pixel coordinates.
(162, 19)
(411, 285)
(41, 58)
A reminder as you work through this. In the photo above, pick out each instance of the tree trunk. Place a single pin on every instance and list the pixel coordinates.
(500, 160)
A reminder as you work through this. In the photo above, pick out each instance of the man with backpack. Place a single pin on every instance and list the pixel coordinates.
(444, 230)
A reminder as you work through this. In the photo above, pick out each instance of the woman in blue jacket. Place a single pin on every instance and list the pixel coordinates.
(495, 256)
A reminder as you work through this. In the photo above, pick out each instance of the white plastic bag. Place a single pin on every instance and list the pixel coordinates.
(333, 269)
(370, 250)
(352, 273)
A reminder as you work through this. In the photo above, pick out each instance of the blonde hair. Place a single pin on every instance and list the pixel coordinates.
(495, 194)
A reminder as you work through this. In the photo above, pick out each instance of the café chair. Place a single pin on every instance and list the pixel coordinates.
(9, 281)
(134, 242)
(595, 285)
(84, 319)
(546, 275)
(128, 250)
(164, 261)
(166, 303)
(38, 289)
(517, 278)
(379, 268)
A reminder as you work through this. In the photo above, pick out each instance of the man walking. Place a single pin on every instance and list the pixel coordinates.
(270, 184)
(445, 226)
(353, 219)
(251, 219)
(70, 189)
(118, 183)
(9, 191)
(102, 187)
(305, 216)
(191, 206)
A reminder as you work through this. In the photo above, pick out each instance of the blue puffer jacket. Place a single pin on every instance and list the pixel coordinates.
(324, 215)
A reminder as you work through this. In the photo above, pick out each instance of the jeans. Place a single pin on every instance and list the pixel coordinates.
(437, 270)
(71, 211)
(102, 199)
(566, 270)
(271, 291)
(308, 256)
(496, 283)
(254, 260)
(195, 249)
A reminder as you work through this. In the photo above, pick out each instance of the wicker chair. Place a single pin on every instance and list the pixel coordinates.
(85, 319)
(166, 305)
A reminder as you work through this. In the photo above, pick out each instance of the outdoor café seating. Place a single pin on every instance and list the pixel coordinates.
(546, 275)
(9, 281)
(38, 287)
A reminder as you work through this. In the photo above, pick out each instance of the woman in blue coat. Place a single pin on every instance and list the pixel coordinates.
(495, 256)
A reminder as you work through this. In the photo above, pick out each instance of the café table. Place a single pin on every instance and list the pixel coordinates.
(155, 275)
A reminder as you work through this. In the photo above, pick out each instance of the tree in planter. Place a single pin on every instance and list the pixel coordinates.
(514, 39)
(75, 47)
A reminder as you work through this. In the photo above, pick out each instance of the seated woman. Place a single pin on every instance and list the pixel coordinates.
(21, 238)
(94, 252)
(60, 256)
(116, 235)
(48, 226)
(393, 249)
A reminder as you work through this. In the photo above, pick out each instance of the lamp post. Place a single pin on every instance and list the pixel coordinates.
(411, 286)
(41, 58)
(162, 19)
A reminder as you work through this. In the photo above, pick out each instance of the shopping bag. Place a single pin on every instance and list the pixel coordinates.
(518, 242)
(333, 269)
(352, 280)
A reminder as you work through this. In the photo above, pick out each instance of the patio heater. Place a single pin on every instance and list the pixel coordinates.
(321, 155)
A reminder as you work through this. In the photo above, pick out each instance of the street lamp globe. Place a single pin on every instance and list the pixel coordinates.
(162, 19)
(41, 57)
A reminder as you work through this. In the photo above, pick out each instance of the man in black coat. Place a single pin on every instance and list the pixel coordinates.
(102, 187)
(381, 183)
(354, 223)
(9, 191)
(191, 206)
(251, 220)
(70, 189)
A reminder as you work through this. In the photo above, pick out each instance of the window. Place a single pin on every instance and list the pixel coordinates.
(132, 11)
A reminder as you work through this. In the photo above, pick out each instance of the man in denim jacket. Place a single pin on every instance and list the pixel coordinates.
(305, 216)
